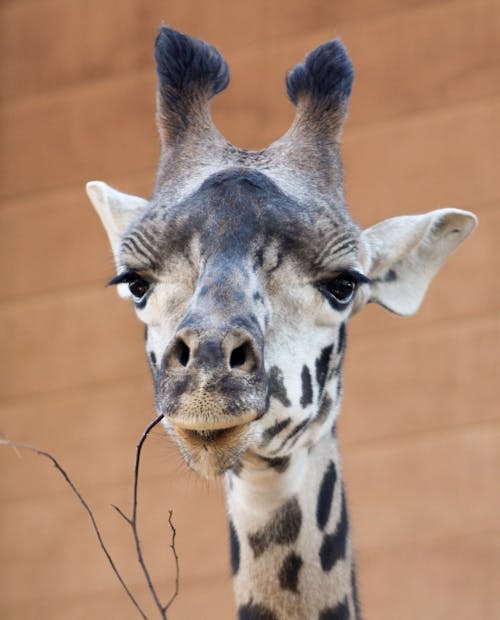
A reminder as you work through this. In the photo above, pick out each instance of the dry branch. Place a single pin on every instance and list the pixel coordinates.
(132, 521)
(176, 559)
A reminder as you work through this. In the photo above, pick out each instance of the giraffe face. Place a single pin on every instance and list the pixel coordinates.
(245, 266)
(236, 285)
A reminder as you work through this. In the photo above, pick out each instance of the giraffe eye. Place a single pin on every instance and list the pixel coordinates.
(138, 286)
(340, 291)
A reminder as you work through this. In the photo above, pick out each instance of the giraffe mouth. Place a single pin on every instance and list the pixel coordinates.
(209, 420)
(211, 437)
(208, 437)
(212, 433)
(212, 451)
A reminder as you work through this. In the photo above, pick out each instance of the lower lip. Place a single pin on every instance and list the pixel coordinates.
(209, 437)
(212, 437)
(224, 423)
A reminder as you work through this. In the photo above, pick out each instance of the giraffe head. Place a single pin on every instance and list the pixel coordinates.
(245, 266)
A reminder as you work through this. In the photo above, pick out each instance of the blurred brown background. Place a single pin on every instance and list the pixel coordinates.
(420, 419)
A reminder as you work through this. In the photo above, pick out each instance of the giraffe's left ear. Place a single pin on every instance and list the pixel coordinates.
(406, 253)
(116, 210)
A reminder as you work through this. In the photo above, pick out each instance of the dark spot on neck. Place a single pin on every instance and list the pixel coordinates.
(325, 496)
(307, 393)
(283, 528)
(341, 345)
(234, 548)
(277, 387)
(288, 575)
(342, 339)
(333, 547)
(324, 409)
(274, 430)
(322, 364)
(279, 464)
(252, 611)
(339, 612)
(294, 435)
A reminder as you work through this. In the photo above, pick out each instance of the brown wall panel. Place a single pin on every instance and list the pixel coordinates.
(421, 379)
(69, 138)
(419, 424)
(109, 603)
(455, 577)
(50, 342)
(85, 41)
(420, 489)
(440, 159)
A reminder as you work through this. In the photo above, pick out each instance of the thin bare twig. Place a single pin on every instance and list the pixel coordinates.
(132, 521)
(20, 446)
(176, 559)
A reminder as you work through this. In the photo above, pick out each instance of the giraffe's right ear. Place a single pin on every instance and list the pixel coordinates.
(116, 210)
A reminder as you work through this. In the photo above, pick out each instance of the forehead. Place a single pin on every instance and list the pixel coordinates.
(243, 213)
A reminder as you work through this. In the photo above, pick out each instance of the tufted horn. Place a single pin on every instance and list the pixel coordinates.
(309, 153)
(190, 72)
(320, 88)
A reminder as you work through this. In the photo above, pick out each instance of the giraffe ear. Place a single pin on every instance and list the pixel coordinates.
(116, 210)
(406, 253)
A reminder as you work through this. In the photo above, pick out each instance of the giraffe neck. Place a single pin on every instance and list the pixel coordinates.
(290, 541)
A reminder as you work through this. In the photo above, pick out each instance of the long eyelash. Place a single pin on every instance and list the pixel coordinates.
(357, 276)
(121, 278)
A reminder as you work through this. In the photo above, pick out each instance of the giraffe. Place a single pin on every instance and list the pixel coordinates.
(245, 267)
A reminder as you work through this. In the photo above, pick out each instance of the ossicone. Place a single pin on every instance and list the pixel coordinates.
(184, 63)
(190, 72)
(325, 76)
(320, 88)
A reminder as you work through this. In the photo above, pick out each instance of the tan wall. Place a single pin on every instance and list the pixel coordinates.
(420, 421)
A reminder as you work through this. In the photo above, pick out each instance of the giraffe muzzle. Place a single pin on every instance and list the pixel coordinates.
(212, 387)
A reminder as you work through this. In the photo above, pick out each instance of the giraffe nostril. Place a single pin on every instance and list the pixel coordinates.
(238, 356)
(243, 357)
(182, 353)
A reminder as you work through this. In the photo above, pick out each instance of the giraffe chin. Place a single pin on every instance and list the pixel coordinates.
(211, 451)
